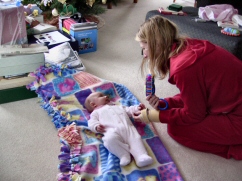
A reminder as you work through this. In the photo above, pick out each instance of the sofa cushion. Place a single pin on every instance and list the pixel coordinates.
(207, 31)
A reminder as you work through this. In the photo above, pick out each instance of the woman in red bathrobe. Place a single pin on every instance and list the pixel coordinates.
(207, 114)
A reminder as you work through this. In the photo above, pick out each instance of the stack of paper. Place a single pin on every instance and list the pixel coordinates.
(43, 28)
(25, 49)
(63, 55)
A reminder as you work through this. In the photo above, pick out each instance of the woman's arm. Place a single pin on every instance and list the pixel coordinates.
(190, 105)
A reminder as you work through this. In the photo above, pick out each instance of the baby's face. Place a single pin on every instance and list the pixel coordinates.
(100, 99)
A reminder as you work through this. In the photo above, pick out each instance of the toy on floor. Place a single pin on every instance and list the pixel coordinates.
(150, 89)
(230, 31)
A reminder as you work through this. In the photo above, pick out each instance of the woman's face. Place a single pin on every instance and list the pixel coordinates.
(144, 47)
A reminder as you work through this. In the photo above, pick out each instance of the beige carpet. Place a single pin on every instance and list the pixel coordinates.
(29, 144)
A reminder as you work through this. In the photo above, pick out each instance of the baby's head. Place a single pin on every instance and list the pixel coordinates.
(96, 99)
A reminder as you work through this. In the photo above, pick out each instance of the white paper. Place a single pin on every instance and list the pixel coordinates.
(54, 37)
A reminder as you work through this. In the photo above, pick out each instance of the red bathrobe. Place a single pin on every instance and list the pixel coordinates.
(207, 114)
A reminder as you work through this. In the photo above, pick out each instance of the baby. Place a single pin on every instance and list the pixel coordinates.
(120, 136)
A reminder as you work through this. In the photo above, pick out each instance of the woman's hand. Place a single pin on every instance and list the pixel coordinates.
(153, 101)
(100, 128)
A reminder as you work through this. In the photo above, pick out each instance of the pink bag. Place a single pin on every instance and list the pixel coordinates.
(12, 25)
(217, 12)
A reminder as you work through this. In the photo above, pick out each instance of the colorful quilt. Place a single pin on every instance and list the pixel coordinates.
(82, 154)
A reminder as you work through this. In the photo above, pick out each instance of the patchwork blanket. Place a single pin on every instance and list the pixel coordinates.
(82, 154)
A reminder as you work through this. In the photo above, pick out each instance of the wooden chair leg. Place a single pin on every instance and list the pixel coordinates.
(109, 5)
(195, 4)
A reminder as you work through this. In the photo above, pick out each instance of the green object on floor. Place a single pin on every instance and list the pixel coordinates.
(16, 94)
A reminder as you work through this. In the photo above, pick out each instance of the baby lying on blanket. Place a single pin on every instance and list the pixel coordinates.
(120, 136)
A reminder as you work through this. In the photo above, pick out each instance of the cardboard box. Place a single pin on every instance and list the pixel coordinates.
(85, 33)
(12, 25)
(20, 64)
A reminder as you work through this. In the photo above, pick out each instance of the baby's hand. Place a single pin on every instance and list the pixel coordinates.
(136, 115)
(100, 128)
(141, 106)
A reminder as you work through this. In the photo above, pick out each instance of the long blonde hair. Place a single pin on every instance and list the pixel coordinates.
(160, 34)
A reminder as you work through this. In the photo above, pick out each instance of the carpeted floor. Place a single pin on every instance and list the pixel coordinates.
(29, 144)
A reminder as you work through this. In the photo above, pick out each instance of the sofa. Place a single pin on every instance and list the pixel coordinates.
(205, 30)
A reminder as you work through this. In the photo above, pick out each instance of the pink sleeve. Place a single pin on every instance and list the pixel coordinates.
(93, 122)
(130, 110)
